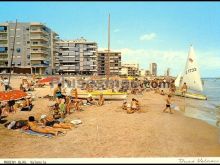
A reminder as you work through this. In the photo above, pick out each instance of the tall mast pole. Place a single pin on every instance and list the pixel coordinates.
(108, 54)
(13, 49)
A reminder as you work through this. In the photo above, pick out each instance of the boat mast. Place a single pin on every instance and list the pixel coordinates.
(12, 55)
(108, 54)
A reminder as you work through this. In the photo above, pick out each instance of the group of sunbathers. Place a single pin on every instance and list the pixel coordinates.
(133, 107)
(46, 124)
(13, 106)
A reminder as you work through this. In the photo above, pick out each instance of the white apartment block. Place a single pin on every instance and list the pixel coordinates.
(76, 57)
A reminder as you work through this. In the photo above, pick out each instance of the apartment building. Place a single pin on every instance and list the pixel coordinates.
(131, 69)
(77, 57)
(34, 48)
(109, 63)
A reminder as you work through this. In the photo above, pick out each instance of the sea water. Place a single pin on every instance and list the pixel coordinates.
(206, 110)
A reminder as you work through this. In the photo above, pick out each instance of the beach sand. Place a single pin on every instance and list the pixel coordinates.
(108, 131)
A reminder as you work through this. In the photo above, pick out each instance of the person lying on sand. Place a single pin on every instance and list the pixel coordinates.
(19, 124)
(51, 122)
(168, 104)
(101, 100)
(34, 126)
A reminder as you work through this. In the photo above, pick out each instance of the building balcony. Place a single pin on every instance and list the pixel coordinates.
(3, 59)
(3, 38)
(3, 45)
(1, 53)
(3, 31)
(39, 65)
(38, 58)
(38, 31)
(40, 45)
(39, 38)
(39, 52)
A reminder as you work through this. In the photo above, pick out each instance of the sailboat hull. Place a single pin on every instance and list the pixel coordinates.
(191, 95)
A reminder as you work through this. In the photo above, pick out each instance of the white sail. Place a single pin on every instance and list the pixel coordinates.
(177, 81)
(191, 74)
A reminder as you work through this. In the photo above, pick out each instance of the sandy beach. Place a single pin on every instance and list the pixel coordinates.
(108, 131)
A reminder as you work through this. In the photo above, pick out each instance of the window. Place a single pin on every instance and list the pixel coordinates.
(18, 50)
(3, 49)
(3, 28)
(27, 29)
(28, 42)
(28, 56)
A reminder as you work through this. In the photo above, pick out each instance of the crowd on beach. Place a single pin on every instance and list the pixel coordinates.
(54, 122)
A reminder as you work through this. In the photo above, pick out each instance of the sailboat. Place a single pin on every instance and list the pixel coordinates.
(191, 76)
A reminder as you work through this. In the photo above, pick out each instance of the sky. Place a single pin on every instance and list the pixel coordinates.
(144, 32)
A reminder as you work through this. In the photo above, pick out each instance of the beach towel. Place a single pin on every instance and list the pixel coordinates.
(30, 132)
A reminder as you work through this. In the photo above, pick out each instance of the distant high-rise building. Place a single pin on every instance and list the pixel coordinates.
(77, 57)
(34, 51)
(153, 69)
(168, 72)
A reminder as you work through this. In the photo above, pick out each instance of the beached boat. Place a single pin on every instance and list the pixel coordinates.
(107, 94)
(191, 95)
(191, 77)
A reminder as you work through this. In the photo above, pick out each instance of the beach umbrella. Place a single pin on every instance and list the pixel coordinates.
(12, 95)
(48, 80)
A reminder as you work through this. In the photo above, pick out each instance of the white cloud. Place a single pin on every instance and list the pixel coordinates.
(174, 59)
(148, 37)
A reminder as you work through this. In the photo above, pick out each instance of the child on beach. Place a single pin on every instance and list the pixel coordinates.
(168, 104)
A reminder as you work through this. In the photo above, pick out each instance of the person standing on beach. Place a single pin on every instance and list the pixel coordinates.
(58, 93)
(5, 82)
(184, 89)
(168, 104)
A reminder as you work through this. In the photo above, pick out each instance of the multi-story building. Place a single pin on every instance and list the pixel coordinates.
(153, 69)
(109, 63)
(33, 47)
(131, 69)
(77, 57)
